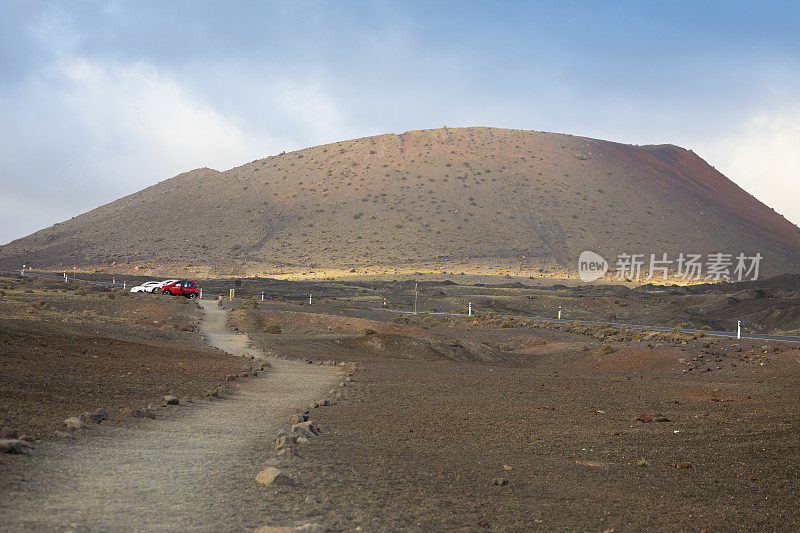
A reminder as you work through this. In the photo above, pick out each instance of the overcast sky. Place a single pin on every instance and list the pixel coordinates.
(101, 99)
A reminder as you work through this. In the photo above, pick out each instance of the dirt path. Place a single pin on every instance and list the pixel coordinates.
(192, 468)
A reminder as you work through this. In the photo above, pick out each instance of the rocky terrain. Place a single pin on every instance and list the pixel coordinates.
(524, 425)
(383, 421)
(471, 201)
(69, 348)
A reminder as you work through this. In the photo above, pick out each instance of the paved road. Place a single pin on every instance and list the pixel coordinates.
(726, 334)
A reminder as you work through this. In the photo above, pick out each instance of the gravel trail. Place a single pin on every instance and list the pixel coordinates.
(192, 468)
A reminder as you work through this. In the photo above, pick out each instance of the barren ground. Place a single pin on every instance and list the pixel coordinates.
(418, 442)
(65, 349)
(452, 423)
(192, 468)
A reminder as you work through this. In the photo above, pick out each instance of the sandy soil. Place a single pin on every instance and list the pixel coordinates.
(191, 469)
(460, 424)
(635, 439)
(65, 349)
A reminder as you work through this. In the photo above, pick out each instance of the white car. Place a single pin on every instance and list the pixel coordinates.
(147, 286)
(158, 285)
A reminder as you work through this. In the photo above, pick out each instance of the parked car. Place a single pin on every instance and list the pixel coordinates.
(158, 286)
(147, 286)
(181, 288)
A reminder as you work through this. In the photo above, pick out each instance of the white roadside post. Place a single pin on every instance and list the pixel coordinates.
(415, 298)
(124, 285)
(309, 299)
(66, 279)
(469, 313)
(22, 272)
(262, 296)
(738, 329)
(559, 312)
(230, 297)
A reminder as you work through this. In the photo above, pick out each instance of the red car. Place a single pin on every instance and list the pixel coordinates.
(181, 288)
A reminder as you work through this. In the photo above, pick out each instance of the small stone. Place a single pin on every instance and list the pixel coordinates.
(186, 399)
(506, 468)
(64, 435)
(170, 400)
(298, 418)
(11, 446)
(152, 407)
(103, 413)
(305, 427)
(90, 418)
(302, 440)
(284, 439)
(325, 403)
(499, 481)
(684, 465)
(7, 432)
(273, 476)
(302, 431)
(288, 451)
(74, 422)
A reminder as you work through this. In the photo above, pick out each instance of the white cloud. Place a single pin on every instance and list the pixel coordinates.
(310, 107)
(96, 131)
(146, 119)
(763, 157)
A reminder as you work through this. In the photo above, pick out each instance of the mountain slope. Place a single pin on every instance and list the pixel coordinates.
(474, 199)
